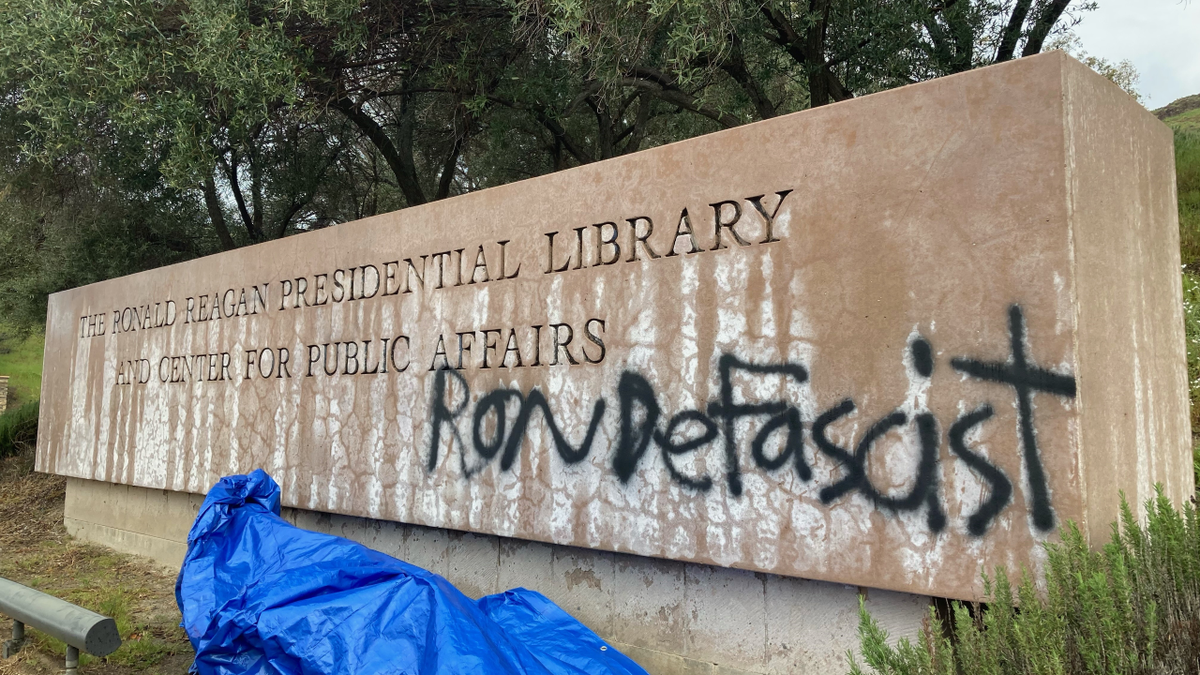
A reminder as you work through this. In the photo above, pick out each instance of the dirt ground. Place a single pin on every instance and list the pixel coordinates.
(35, 550)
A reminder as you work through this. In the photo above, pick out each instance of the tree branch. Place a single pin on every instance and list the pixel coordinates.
(604, 127)
(293, 208)
(298, 202)
(814, 45)
(1012, 32)
(401, 164)
(451, 163)
(231, 167)
(1049, 16)
(216, 215)
(797, 47)
(552, 125)
(786, 35)
(735, 67)
(637, 130)
(256, 192)
(664, 88)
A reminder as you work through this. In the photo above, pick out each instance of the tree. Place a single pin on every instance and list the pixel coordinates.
(201, 125)
(218, 84)
(834, 48)
(614, 76)
(1123, 73)
(84, 218)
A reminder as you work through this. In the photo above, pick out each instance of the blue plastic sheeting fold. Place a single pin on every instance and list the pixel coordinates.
(259, 595)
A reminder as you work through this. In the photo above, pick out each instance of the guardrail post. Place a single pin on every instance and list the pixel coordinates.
(72, 660)
(18, 638)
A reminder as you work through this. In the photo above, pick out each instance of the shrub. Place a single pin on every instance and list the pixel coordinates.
(18, 429)
(1131, 608)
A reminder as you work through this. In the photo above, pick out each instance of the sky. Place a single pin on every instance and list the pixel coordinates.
(1160, 37)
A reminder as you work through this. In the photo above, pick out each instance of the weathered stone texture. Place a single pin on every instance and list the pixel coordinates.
(950, 313)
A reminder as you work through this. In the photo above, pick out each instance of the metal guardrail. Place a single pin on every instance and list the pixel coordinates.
(80, 628)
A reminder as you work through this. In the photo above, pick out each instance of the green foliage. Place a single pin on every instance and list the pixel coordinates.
(83, 218)
(868, 46)
(18, 429)
(931, 655)
(140, 133)
(63, 233)
(1132, 608)
(169, 74)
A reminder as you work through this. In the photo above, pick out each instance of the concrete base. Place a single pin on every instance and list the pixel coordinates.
(671, 617)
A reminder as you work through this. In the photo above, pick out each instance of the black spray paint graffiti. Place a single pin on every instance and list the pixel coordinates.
(1025, 379)
(690, 430)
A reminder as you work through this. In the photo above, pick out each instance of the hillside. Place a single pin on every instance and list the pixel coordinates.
(1183, 116)
(1183, 113)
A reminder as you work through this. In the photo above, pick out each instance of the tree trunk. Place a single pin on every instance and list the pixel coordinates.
(1012, 32)
(404, 168)
(216, 215)
(814, 47)
(1050, 15)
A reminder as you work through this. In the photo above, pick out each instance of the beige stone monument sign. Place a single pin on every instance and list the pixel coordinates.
(891, 343)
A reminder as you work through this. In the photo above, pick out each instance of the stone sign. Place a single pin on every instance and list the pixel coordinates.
(891, 342)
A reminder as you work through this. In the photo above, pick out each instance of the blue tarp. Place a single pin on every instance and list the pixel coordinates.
(260, 596)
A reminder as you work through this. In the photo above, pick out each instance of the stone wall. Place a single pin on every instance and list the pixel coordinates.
(671, 617)
(3, 393)
(703, 396)
(893, 342)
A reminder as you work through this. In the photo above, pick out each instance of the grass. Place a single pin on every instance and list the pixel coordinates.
(1187, 176)
(35, 550)
(21, 360)
(1182, 114)
(1187, 173)
(18, 429)
(1188, 121)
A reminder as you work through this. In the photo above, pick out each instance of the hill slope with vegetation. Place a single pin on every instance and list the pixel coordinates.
(1183, 116)
(1183, 113)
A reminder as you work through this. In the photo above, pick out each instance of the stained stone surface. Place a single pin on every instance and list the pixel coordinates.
(891, 343)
